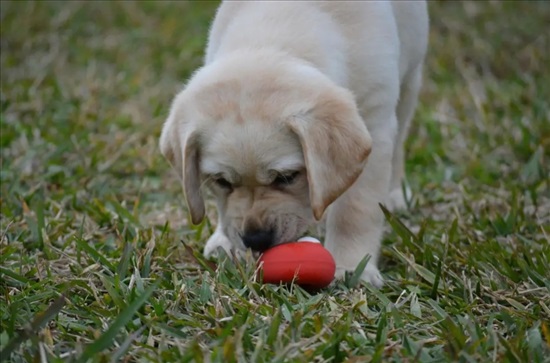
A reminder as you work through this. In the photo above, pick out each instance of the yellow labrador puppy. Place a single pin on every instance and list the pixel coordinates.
(297, 119)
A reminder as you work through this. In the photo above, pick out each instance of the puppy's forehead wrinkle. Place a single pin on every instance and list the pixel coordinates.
(293, 162)
(212, 168)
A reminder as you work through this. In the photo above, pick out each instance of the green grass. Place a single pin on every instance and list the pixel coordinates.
(92, 218)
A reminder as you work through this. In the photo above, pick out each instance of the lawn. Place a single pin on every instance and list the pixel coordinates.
(99, 263)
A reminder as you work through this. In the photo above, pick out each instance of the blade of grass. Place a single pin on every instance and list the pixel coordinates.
(126, 344)
(210, 266)
(401, 229)
(107, 338)
(437, 278)
(38, 322)
(124, 213)
(419, 269)
(356, 276)
(122, 267)
(13, 275)
(83, 244)
(40, 221)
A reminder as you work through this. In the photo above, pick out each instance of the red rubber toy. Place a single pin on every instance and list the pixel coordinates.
(309, 264)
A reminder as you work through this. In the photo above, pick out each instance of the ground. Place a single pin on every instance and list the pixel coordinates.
(93, 225)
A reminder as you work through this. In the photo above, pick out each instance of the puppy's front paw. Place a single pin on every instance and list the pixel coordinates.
(371, 274)
(217, 240)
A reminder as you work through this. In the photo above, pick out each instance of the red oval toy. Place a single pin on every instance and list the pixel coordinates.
(309, 264)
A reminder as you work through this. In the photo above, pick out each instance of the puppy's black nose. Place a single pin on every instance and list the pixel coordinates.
(258, 240)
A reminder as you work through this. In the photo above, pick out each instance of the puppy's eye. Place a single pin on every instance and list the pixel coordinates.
(223, 183)
(282, 180)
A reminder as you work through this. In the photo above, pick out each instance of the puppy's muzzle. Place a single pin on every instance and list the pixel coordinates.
(259, 240)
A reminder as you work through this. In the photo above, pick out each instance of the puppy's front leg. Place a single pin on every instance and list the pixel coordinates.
(355, 221)
(217, 240)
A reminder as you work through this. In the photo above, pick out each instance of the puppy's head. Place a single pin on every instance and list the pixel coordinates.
(275, 141)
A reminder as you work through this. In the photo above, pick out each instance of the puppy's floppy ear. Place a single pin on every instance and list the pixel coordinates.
(179, 143)
(336, 144)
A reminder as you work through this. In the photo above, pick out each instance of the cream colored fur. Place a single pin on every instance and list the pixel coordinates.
(320, 92)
